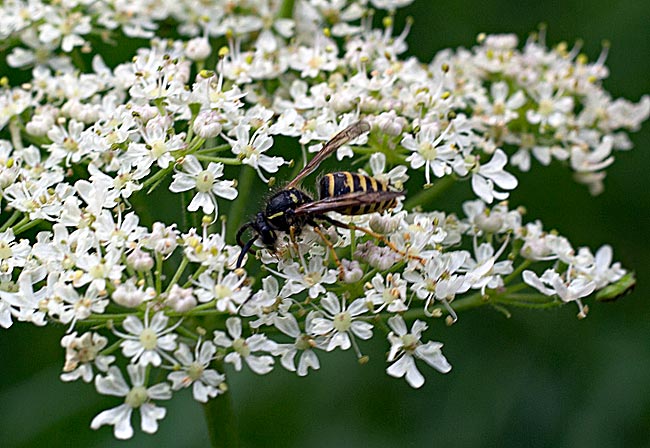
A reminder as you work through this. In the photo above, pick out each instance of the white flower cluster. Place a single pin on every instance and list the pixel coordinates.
(81, 147)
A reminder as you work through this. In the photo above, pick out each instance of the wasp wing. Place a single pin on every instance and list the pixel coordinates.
(344, 201)
(340, 139)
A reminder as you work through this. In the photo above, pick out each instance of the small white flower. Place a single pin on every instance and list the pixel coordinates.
(406, 347)
(198, 49)
(486, 176)
(303, 344)
(310, 278)
(228, 292)
(194, 371)
(245, 348)
(252, 149)
(428, 150)
(206, 184)
(553, 109)
(340, 323)
(180, 299)
(81, 353)
(130, 295)
(146, 343)
(136, 397)
(388, 293)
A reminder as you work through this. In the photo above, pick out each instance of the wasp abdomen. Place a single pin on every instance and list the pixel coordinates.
(344, 182)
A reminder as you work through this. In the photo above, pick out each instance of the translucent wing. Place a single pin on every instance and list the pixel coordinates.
(340, 139)
(343, 202)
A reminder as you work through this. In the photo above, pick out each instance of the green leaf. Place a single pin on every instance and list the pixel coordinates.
(616, 290)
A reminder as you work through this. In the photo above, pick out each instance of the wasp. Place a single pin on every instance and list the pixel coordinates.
(290, 209)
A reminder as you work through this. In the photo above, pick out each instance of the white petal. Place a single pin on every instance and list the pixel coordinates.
(339, 340)
(483, 188)
(119, 417)
(201, 200)
(431, 354)
(149, 416)
(504, 180)
(206, 354)
(192, 165)
(160, 391)
(131, 348)
(112, 384)
(234, 327)
(133, 325)
(308, 359)
(287, 325)
(159, 322)
(202, 392)
(287, 359)
(260, 364)
(331, 304)
(405, 366)
(361, 329)
(150, 357)
(225, 189)
(397, 324)
(182, 182)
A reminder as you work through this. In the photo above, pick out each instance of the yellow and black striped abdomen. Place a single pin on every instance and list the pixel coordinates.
(344, 182)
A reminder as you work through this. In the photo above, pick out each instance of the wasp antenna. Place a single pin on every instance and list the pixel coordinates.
(241, 231)
(245, 248)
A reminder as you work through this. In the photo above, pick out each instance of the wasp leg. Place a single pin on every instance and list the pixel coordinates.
(373, 234)
(329, 244)
(294, 243)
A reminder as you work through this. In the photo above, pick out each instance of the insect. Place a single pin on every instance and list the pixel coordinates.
(290, 209)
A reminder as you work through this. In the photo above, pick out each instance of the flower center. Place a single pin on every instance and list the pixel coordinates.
(5, 251)
(86, 354)
(303, 342)
(136, 397)
(97, 271)
(158, 149)
(148, 339)
(195, 370)
(342, 321)
(221, 292)
(241, 347)
(428, 151)
(70, 144)
(313, 278)
(410, 342)
(545, 107)
(204, 181)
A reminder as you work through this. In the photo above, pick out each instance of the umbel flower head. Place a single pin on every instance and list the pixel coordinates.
(123, 187)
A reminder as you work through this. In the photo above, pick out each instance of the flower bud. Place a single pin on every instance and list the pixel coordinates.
(181, 299)
(140, 261)
(198, 49)
(129, 295)
(207, 124)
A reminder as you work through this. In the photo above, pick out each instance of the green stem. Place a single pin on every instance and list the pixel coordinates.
(159, 273)
(15, 215)
(224, 160)
(286, 9)
(177, 274)
(429, 194)
(237, 209)
(465, 303)
(214, 149)
(157, 177)
(22, 228)
(517, 271)
(222, 424)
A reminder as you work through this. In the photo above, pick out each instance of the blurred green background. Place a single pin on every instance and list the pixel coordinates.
(540, 379)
